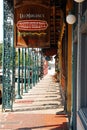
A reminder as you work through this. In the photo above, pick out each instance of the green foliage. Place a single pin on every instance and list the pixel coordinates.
(16, 57)
(21, 60)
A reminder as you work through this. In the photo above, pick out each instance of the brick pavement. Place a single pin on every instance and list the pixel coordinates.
(39, 109)
(25, 121)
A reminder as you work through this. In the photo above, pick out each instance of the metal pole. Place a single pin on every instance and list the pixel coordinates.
(78, 58)
(37, 66)
(13, 68)
(41, 73)
(18, 96)
(22, 74)
(33, 69)
(25, 90)
(28, 68)
(74, 90)
(78, 85)
(7, 92)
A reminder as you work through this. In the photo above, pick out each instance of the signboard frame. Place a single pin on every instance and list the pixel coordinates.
(31, 26)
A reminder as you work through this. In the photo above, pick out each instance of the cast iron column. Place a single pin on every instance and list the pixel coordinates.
(18, 96)
(25, 89)
(41, 73)
(7, 94)
(28, 68)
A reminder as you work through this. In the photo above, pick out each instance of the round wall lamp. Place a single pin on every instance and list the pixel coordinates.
(78, 1)
(71, 19)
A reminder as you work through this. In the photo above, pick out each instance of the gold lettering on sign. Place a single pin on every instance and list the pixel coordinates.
(29, 16)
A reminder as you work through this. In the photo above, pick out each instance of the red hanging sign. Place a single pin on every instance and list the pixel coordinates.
(32, 25)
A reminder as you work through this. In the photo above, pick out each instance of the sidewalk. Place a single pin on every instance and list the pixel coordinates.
(39, 109)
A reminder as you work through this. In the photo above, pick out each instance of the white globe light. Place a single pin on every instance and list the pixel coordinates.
(78, 1)
(71, 19)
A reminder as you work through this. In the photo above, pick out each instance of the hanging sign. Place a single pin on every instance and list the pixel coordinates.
(32, 25)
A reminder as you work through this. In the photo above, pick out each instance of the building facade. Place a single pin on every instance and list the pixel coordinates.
(79, 80)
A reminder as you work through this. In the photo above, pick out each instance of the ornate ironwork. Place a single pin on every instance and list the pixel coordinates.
(9, 63)
(7, 96)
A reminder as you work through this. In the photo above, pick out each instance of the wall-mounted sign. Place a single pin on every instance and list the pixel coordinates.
(32, 25)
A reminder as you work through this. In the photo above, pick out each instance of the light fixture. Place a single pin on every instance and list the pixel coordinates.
(78, 1)
(71, 19)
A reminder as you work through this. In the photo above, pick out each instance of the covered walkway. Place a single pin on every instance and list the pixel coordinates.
(41, 108)
(33, 33)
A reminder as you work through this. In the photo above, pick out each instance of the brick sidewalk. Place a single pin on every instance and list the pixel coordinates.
(25, 121)
(39, 109)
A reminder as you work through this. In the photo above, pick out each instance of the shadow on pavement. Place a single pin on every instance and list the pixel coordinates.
(52, 127)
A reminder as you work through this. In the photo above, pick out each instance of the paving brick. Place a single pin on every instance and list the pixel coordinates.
(39, 109)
